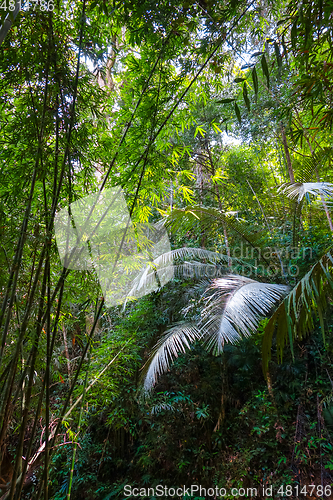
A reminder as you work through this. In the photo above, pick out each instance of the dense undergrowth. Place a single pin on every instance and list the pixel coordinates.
(210, 420)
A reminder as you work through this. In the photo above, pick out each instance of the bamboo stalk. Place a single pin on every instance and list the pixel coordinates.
(78, 429)
(18, 462)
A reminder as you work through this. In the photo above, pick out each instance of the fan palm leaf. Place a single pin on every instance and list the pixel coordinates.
(146, 278)
(234, 307)
(297, 190)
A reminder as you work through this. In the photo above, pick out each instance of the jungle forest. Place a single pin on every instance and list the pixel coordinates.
(166, 252)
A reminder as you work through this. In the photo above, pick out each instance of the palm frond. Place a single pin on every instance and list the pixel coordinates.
(198, 270)
(176, 340)
(162, 267)
(190, 252)
(235, 306)
(209, 219)
(311, 165)
(297, 190)
(294, 318)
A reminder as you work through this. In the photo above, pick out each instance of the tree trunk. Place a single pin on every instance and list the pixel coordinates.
(67, 359)
(286, 150)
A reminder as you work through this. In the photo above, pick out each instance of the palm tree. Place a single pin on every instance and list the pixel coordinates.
(234, 305)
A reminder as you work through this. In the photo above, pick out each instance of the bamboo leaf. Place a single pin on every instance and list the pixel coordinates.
(246, 97)
(237, 111)
(255, 54)
(278, 55)
(265, 69)
(216, 128)
(255, 81)
(293, 35)
(226, 101)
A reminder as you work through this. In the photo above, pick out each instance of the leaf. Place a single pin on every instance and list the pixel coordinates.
(265, 68)
(255, 54)
(235, 307)
(246, 97)
(177, 339)
(237, 111)
(300, 189)
(278, 55)
(210, 219)
(186, 192)
(238, 80)
(295, 315)
(200, 130)
(255, 81)
(216, 128)
(226, 101)
(293, 34)
(165, 265)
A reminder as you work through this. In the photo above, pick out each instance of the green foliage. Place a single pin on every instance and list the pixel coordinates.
(152, 97)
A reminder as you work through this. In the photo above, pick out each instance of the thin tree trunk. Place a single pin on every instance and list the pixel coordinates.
(67, 358)
(286, 150)
(200, 188)
(225, 234)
